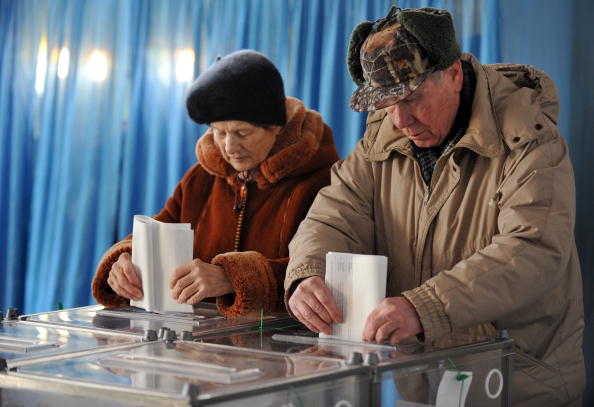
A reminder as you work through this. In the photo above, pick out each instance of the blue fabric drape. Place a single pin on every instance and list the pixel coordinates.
(79, 157)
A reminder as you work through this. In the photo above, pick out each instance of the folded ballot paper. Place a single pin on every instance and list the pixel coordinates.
(159, 248)
(358, 284)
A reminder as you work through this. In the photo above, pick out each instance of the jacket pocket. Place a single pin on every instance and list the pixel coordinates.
(535, 376)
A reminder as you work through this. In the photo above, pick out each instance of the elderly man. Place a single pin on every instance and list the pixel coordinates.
(464, 182)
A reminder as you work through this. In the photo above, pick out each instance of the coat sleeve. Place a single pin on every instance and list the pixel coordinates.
(102, 292)
(340, 220)
(255, 281)
(524, 261)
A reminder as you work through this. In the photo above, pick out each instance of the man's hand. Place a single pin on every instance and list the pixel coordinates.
(197, 280)
(395, 319)
(123, 279)
(314, 306)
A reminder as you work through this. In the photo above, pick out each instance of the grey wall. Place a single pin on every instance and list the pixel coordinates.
(582, 147)
(558, 37)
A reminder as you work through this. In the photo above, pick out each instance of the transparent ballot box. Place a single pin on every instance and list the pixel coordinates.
(192, 373)
(205, 320)
(39, 392)
(458, 370)
(455, 370)
(20, 342)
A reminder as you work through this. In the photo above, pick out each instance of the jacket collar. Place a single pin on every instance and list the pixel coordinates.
(291, 155)
(521, 94)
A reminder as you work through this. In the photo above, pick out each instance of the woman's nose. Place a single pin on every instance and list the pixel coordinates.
(231, 145)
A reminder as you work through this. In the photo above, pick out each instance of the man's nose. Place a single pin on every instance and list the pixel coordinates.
(400, 115)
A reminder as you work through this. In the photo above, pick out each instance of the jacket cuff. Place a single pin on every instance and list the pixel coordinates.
(433, 317)
(252, 278)
(102, 292)
(298, 274)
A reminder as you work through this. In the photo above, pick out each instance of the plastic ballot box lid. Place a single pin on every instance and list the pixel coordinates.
(21, 342)
(298, 340)
(204, 373)
(205, 320)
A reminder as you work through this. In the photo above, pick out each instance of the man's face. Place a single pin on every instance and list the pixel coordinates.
(427, 114)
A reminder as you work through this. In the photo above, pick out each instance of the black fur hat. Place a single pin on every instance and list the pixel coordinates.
(244, 85)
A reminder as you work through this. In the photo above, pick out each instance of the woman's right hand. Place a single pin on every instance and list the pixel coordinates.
(123, 279)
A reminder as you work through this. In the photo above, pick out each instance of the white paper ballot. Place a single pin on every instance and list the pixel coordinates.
(358, 284)
(453, 389)
(158, 248)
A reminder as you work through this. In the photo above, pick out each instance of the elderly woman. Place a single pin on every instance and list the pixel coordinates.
(260, 165)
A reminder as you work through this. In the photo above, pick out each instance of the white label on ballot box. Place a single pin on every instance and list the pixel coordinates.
(453, 389)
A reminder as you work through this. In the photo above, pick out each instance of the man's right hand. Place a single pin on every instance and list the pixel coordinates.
(123, 279)
(313, 305)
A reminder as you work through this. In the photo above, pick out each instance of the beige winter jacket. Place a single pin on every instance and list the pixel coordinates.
(488, 245)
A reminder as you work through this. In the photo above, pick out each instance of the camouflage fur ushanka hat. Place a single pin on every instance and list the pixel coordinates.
(392, 57)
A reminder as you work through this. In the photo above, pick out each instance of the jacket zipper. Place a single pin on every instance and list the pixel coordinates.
(243, 192)
(427, 194)
(421, 237)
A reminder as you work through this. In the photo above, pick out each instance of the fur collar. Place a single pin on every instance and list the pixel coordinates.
(298, 141)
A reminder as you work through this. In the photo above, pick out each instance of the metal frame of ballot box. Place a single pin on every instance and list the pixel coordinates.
(196, 374)
(205, 321)
(395, 370)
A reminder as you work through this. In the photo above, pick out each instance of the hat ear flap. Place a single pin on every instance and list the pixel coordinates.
(358, 36)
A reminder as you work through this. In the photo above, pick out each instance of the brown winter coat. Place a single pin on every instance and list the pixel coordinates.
(488, 245)
(278, 199)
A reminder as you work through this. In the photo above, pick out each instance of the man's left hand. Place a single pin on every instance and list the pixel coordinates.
(395, 319)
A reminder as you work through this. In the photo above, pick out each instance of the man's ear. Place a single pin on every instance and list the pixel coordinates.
(456, 75)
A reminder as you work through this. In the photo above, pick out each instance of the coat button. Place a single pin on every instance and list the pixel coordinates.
(538, 126)
(516, 139)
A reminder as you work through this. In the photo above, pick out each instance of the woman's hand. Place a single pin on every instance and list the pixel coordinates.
(123, 279)
(193, 282)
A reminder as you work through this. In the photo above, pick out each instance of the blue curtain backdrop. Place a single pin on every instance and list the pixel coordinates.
(92, 120)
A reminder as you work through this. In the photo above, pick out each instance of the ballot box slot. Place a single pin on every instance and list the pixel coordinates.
(311, 340)
(169, 317)
(189, 369)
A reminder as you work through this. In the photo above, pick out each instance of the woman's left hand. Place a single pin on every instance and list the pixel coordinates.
(193, 282)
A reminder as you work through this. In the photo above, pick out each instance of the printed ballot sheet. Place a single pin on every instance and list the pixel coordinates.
(358, 284)
(158, 248)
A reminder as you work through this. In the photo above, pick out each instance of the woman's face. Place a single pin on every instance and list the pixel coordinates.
(242, 144)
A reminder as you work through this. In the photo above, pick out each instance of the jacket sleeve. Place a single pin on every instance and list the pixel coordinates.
(524, 262)
(340, 220)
